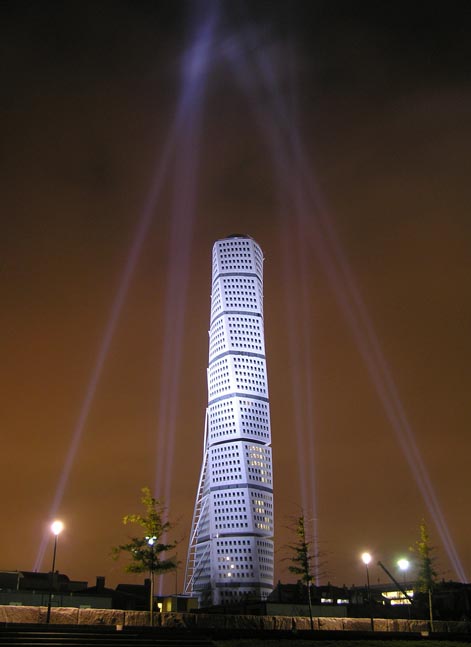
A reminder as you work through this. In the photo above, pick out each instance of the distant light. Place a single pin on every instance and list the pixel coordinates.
(366, 558)
(151, 540)
(403, 564)
(57, 527)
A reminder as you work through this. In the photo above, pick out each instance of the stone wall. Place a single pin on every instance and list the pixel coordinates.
(201, 621)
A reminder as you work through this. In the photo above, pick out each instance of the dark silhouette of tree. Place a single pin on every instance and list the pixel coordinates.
(304, 562)
(426, 574)
(148, 552)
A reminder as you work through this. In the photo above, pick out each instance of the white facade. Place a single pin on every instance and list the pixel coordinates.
(230, 555)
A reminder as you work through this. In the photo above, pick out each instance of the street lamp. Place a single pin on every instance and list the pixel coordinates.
(150, 542)
(56, 528)
(403, 566)
(366, 559)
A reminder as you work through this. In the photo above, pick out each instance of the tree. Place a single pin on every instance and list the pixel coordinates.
(148, 553)
(302, 558)
(426, 575)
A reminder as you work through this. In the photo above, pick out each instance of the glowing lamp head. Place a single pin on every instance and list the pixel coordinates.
(57, 527)
(403, 564)
(366, 558)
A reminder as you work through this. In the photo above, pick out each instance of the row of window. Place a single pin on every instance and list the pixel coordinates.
(234, 543)
(235, 558)
(242, 282)
(215, 435)
(259, 466)
(220, 345)
(230, 495)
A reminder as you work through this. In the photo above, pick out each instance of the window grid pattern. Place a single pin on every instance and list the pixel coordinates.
(258, 260)
(220, 380)
(216, 300)
(258, 463)
(241, 302)
(246, 333)
(226, 464)
(250, 374)
(261, 504)
(217, 338)
(235, 559)
(231, 509)
(240, 464)
(265, 558)
(237, 373)
(222, 417)
(255, 419)
(240, 333)
(236, 255)
(239, 417)
(240, 293)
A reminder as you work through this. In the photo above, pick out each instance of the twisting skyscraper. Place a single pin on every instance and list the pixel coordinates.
(230, 555)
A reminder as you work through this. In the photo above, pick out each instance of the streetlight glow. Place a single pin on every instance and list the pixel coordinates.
(57, 527)
(403, 564)
(366, 558)
(151, 539)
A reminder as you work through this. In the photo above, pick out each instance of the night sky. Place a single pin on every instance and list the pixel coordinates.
(338, 135)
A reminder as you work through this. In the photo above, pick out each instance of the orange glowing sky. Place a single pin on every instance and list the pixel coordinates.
(383, 99)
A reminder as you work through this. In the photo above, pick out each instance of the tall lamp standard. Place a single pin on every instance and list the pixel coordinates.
(150, 542)
(56, 528)
(366, 559)
(403, 565)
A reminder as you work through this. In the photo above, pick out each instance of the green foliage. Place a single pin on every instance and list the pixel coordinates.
(301, 556)
(146, 552)
(426, 575)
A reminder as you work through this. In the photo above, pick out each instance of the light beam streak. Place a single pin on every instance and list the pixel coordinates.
(123, 286)
(195, 70)
(294, 262)
(288, 154)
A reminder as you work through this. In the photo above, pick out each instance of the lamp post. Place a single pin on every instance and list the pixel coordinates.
(366, 559)
(56, 528)
(151, 541)
(403, 565)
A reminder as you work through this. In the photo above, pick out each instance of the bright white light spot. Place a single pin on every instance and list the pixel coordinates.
(57, 527)
(366, 558)
(403, 564)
